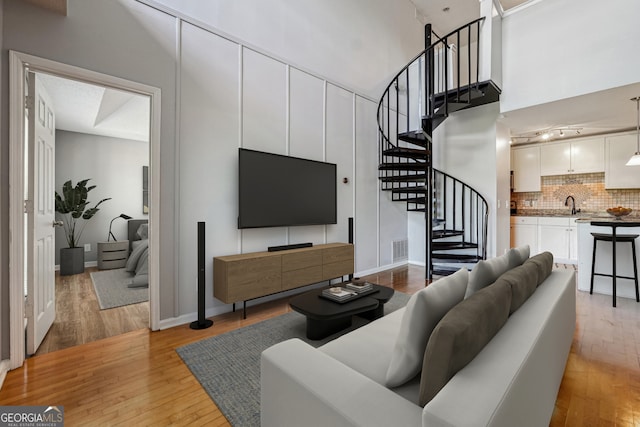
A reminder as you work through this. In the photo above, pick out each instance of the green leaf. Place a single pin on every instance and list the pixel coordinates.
(73, 204)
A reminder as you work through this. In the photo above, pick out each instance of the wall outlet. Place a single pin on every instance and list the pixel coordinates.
(87, 247)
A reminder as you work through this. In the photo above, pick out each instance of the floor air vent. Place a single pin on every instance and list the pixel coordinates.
(400, 250)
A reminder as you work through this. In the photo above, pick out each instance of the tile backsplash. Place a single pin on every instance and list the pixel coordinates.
(587, 189)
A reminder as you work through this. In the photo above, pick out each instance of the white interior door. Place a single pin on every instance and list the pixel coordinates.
(41, 296)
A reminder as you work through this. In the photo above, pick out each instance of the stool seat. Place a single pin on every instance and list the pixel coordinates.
(624, 238)
(614, 239)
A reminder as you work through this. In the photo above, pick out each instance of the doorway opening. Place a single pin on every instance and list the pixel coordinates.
(26, 263)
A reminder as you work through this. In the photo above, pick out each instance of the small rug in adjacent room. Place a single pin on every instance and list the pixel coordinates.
(228, 365)
(112, 291)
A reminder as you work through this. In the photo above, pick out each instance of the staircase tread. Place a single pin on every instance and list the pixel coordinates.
(405, 178)
(409, 190)
(443, 246)
(402, 166)
(453, 258)
(441, 234)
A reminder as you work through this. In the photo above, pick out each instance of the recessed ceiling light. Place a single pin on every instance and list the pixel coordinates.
(446, 9)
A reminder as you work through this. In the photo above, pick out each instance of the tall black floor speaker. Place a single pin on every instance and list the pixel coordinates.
(351, 238)
(202, 322)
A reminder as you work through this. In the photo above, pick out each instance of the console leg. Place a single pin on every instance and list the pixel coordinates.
(234, 307)
(244, 309)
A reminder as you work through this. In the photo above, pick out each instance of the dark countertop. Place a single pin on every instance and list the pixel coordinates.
(627, 221)
(583, 216)
(556, 213)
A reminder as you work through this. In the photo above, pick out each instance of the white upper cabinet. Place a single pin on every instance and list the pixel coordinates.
(618, 150)
(580, 156)
(526, 169)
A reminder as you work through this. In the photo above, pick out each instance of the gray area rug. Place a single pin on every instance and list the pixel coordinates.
(228, 365)
(112, 291)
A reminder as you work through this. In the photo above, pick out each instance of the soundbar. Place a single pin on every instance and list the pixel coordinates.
(287, 247)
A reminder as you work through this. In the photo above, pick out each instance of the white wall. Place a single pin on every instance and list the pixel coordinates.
(563, 48)
(237, 97)
(115, 168)
(360, 44)
(219, 94)
(469, 146)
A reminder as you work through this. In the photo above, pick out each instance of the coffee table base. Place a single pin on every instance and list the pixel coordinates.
(319, 329)
(326, 317)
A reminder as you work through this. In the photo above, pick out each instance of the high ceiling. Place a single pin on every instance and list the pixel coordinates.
(96, 110)
(602, 112)
(447, 15)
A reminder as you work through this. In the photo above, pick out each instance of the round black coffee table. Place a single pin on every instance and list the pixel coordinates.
(325, 317)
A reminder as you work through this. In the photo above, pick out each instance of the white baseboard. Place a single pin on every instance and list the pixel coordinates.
(4, 368)
(227, 308)
(379, 269)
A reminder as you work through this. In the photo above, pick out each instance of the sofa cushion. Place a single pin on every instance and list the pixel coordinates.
(517, 256)
(523, 282)
(368, 349)
(544, 264)
(424, 310)
(486, 272)
(461, 335)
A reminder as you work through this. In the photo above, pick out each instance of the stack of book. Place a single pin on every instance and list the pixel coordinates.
(360, 287)
(338, 294)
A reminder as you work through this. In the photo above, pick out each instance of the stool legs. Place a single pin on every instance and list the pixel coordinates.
(635, 268)
(593, 265)
(613, 252)
(614, 273)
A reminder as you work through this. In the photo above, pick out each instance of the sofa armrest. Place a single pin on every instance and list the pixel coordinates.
(301, 385)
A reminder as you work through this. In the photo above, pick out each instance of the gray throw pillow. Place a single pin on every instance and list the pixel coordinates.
(424, 310)
(523, 281)
(544, 264)
(486, 272)
(517, 256)
(143, 231)
(461, 335)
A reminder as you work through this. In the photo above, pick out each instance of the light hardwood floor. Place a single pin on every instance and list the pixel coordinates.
(79, 319)
(138, 379)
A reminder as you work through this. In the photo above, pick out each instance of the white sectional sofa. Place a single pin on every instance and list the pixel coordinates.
(513, 380)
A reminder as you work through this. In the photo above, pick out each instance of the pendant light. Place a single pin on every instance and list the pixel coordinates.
(635, 159)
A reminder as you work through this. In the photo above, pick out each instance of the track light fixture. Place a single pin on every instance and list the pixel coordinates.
(635, 159)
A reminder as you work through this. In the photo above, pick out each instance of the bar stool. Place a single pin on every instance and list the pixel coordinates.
(614, 238)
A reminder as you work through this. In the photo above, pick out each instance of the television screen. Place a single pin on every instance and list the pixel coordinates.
(278, 191)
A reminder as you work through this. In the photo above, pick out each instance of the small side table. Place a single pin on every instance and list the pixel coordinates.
(112, 254)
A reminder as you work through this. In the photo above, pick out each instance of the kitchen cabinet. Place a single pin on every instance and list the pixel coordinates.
(579, 156)
(526, 169)
(618, 150)
(524, 231)
(558, 236)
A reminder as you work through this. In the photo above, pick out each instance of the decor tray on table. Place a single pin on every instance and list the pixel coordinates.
(344, 294)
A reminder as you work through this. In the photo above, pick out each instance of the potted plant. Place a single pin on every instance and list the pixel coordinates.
(73, 205)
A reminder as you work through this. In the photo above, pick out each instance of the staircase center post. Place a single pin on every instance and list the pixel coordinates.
(429, 110)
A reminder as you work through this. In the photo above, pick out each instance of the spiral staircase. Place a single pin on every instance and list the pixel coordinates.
(442, 79)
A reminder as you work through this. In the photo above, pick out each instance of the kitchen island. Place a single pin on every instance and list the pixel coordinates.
(624, 265)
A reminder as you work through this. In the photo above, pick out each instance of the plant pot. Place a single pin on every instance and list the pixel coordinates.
(71, 261)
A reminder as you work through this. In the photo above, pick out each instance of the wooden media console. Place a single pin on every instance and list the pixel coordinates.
(248, 276)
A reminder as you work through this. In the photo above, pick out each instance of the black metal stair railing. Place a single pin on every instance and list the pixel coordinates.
(440, 80)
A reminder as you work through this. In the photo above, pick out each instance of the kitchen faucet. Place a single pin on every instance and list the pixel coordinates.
(573, 204)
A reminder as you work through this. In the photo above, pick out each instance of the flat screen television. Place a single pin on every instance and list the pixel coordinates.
(278, 191)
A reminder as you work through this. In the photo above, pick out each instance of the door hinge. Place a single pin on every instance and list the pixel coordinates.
(29, 102)
(28, 305)
(28, 206)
